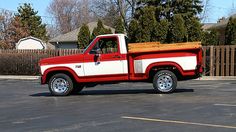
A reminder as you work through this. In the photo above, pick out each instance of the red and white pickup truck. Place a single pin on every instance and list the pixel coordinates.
(161, 65)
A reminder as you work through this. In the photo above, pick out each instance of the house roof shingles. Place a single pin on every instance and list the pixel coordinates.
(207, 26)
(222, 23)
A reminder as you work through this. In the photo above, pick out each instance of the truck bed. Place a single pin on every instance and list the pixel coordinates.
(157, 46)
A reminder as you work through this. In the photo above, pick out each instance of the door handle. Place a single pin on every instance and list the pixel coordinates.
(116, 56)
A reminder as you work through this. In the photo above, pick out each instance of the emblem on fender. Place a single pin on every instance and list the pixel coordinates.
(77, 66)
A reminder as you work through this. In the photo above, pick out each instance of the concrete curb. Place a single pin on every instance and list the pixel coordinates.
(217, 78)
(21, 77)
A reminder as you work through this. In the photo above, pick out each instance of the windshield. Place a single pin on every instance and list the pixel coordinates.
(88, 46)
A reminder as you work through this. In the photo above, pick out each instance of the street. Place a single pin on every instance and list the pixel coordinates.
(197, 105)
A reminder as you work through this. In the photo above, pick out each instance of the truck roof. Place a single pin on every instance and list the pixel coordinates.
(119, 34)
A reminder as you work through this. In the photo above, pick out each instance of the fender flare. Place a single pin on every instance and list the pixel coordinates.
(60, 68)
(166, 63)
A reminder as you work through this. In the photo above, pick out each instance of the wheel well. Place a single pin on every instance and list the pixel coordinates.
(50, 74)
(173, 69)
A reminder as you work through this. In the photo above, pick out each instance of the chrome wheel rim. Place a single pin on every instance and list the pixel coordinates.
(60, 85)
(164, 82)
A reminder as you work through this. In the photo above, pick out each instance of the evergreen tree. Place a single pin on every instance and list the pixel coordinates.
(194, 29)
(29, 19)
(119, 25)
(100, 30)
(178, 30)
(133, 30)
(147, 22)
(83, 37)
(165, 12)
(161, 30)
(168, 8)
(230, 32)
(210, 37)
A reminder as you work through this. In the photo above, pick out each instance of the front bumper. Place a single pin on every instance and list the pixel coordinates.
(42, 80)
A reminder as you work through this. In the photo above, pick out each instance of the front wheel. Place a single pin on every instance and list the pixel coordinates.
(60, 84)
(165, 81)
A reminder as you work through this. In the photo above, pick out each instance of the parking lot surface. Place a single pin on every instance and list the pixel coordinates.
(196, 106)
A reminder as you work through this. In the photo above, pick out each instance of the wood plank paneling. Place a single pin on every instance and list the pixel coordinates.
(217, 61)
(222, 61)
(211, 61)
(227, 64)
(232, 65)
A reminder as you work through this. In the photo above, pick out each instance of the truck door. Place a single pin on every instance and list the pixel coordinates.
(104, 62)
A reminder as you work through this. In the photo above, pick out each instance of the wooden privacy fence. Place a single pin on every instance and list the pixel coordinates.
(60, 52)
(219, 60)
(25, 62)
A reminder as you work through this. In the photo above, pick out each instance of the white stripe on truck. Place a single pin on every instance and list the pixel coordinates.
(93, 68)
(187, 63)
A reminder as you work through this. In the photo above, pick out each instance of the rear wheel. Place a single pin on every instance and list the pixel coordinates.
(60, 84)
(165, 81)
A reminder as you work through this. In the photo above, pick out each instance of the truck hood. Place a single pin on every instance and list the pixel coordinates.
(78, 58)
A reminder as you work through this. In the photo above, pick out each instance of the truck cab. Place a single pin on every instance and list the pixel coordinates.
(108, 59)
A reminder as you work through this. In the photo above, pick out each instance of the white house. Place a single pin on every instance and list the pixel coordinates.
(31, 43)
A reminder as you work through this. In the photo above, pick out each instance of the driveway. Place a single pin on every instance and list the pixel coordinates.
(206, 106)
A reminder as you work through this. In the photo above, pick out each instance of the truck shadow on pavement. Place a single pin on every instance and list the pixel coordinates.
(114, 92)
(133, 91)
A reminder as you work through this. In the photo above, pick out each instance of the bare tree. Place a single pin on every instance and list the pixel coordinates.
(85, 15)
(52, 30)
(123, 8)
(206, 9)
(232, 10)
(126, 9)
(5, 20)
(65, 13)
(11, 31)
(100, 8)
(69, 14)
(111, 16)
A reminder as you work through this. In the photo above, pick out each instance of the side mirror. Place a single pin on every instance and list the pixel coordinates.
(98, 52)
(97, 56)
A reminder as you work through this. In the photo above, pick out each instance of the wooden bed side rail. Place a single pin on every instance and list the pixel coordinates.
(155, 46)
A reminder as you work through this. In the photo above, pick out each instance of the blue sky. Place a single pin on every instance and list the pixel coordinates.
(38, 5)
(220, 8)
(217, 8)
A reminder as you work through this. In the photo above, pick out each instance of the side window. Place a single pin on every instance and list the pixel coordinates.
(105, 46)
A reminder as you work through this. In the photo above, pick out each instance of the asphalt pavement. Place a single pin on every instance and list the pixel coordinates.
(196, 106)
